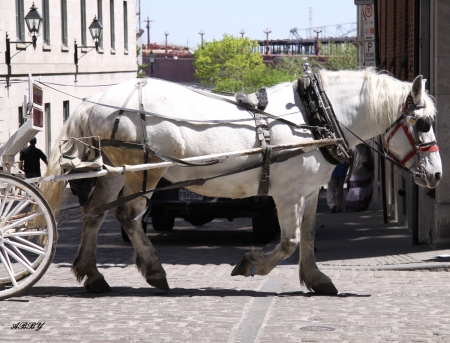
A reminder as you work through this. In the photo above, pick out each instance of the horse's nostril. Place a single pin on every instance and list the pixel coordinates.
(437, 176)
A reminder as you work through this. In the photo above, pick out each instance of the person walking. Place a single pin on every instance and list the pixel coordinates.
(335, 187)
(360, 187)
(29, 161)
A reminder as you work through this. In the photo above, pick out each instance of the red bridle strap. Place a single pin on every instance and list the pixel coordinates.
(432, 148)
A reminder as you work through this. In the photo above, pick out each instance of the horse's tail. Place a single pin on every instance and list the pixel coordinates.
(76, 126)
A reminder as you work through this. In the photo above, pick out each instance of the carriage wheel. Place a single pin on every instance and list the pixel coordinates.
(27, 236)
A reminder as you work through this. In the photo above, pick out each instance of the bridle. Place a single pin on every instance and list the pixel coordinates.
(421, 124)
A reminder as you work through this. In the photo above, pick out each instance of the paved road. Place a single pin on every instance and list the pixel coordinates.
(206, 304)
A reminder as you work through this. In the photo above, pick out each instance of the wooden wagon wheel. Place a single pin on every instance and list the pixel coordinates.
(27, 236)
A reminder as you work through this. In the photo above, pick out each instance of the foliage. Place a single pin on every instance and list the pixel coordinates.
(140, 67)
(232, 65)
(341, 56)
(230, 57)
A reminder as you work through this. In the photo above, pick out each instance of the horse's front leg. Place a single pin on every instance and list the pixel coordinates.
(145, 256)
(290, 213)
(85, 263)
(310, 275)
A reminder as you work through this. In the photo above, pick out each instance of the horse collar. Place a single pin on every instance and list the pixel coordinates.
(319, 112)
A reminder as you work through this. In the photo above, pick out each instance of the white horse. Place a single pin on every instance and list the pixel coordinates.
(365, 102)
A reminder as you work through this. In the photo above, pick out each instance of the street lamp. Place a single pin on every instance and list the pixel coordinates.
(33, 20)
(201, 33)
(267, 31)
(242, 32)
(166, 33)
(151, 59)
(95, 29)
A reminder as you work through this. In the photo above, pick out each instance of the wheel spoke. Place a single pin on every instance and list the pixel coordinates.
(14, 211)
(11, 275)
(26, 233)
(25, 247)
(20, 221)
(5, 197)
(21, 255)
(29, 243)
(18, 259)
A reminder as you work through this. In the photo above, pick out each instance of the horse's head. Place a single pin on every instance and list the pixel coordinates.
(411, 139)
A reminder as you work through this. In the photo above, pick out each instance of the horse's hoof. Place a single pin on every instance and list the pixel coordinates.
(97, 286)
(160, 283)
(325, 289)
(243, 267)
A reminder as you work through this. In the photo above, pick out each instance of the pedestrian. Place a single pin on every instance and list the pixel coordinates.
(335, 187)
(30, 160)
(360, 187)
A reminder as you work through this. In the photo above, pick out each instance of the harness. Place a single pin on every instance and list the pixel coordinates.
(321, 117)
(408, 119)
(319, 112)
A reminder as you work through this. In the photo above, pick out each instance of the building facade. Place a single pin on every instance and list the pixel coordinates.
(411, 38)
(53, 60)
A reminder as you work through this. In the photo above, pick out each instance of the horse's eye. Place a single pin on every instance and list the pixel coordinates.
(423, 124)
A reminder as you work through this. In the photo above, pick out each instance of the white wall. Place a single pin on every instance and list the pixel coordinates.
(55, 62)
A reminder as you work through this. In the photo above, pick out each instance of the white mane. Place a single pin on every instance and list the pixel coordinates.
(385, 94)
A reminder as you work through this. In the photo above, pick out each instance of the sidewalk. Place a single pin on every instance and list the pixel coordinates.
(360, 240)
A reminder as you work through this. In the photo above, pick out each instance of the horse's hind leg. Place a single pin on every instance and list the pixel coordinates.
(145, 256)
(85, 263)
(290, 212)
(310, 275)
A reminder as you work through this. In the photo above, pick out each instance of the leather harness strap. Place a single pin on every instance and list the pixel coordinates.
(198, 182)
(319, 112)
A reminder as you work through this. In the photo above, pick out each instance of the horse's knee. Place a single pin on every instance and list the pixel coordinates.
(288, 246)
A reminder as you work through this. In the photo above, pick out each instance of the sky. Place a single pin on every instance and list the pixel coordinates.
(183, 19)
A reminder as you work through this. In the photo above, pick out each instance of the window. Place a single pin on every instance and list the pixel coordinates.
(111, 23)
(64, 22)
(21, 118)
(83, 23)
(125, 26)
(66, 110)
(46, 22)
(20, 22)
(100, 19)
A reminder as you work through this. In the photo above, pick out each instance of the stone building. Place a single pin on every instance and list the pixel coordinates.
(52, 62)
(411, 38)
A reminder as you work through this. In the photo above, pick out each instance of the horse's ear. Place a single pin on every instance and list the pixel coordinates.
(417, 89)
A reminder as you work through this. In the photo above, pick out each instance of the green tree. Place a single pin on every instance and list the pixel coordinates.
(140, 67)
(233, 64)
(230, 57)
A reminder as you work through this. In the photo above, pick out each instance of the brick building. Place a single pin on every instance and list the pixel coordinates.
(411, 38)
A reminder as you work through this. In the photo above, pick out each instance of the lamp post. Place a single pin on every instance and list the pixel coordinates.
(317, 42)
(166, 33)
(267, 31)
(151, 59)
(33, 20)
(201, 33)
(95, 29)
(242, 33)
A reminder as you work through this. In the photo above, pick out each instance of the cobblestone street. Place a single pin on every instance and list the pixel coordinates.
(206, 304)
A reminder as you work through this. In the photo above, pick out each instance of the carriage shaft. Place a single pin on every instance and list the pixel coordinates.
(206, 158)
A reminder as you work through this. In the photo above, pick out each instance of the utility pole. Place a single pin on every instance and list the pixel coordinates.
(201, 33)
(166, 33)
(267, 31)
(317, 42)
(148, 21)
